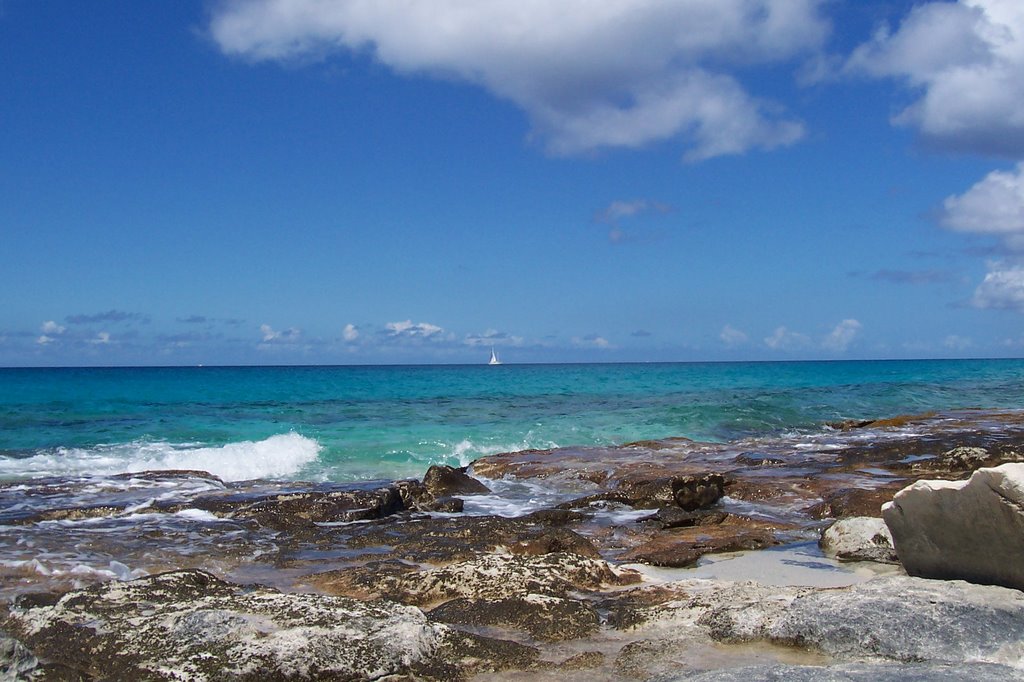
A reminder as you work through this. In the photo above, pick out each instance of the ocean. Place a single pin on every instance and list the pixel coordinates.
(78, 439)
(368, 423)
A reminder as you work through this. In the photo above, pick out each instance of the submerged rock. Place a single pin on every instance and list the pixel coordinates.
(970, 530)
(190, 625)
(679, 547)
(859, 539)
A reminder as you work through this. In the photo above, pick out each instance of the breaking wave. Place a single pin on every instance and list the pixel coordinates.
(278, 456)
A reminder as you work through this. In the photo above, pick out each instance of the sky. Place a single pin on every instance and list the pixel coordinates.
(393, 181)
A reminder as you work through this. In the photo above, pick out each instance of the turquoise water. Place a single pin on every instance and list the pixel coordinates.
(353, 423)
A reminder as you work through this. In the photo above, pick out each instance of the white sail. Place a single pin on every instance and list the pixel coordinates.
(494, 358)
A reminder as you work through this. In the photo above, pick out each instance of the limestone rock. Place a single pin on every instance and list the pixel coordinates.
(965, 458)
(492, 577)
(859, 538)
(190, 625)
(852, 672)
(970, 530)
(897, 618)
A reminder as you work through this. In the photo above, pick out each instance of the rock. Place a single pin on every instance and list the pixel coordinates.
(16, 662)
(852, 502)
(859, 539)
(683, 546)
(543, 617)
(445, 540)
(445, 481)
(297, 510)
(970, 530)
(689, 492)
(964, 458)
(190, 625)
(898, 618)
(676, 517)
(493, 577)
(852, 672)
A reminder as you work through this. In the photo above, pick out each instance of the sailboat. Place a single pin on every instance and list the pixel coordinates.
(494, 358)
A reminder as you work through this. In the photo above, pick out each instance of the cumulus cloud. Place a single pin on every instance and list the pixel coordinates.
(406, 329)
(270, 335)
(1002, 289)
(591, 341)
(101, 339)
(994, 205)
(619, 73)
(732, 337)
(966, 60)
(350, 333)
(840, 338)
(784, 339)
(51, 327)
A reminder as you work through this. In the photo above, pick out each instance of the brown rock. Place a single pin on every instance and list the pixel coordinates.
(681, 547)
(544, 618)
(445, 481)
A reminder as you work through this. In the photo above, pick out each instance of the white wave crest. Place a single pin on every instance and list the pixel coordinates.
(278, 456)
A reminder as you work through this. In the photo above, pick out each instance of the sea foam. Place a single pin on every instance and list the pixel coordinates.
(278, 456)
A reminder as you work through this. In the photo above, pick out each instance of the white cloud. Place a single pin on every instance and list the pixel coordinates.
(784, 339)
(954, 342)
(350, 333)
(617, 73)
(1002, 288)
(101, 339)
(493, 337)
(44, 340)
(410, 330)
(591, 341)
(51, 327)
(966, 58)
(270, 335)
(840, 338)
(731, 336)
(994, 205)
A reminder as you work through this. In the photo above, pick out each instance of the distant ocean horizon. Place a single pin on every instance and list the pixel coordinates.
(372, 422)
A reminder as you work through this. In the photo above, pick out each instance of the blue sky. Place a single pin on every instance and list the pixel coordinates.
(303, 181)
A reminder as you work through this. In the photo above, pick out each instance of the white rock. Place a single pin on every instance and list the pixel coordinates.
(860, 538)
(970, 530)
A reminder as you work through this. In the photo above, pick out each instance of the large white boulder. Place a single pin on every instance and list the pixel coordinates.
(971, 530)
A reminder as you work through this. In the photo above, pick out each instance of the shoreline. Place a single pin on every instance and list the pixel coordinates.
(599, 547)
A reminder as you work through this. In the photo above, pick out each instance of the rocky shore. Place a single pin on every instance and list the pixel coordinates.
(409, 580)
